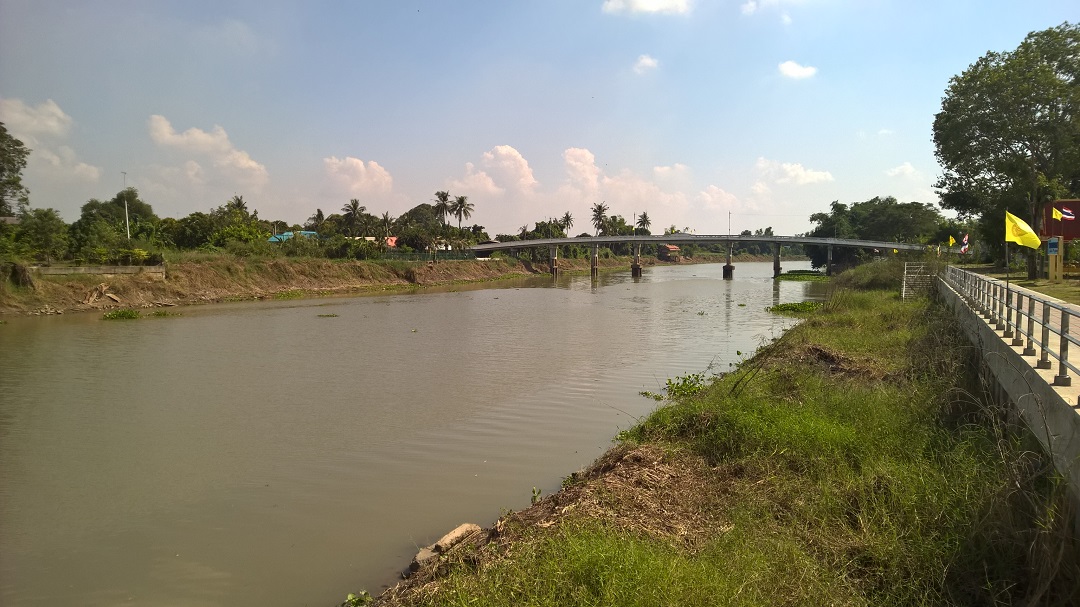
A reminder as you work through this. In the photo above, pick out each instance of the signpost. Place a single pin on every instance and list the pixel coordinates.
(1053, 253)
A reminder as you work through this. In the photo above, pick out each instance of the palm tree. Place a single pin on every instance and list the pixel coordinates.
(566, 222)
(386, 222)
(316, 220)
(353, 213)
(461, 207)
(442, 205)
(599, 216)
(524, 231)
(236, 203)
(643, 221)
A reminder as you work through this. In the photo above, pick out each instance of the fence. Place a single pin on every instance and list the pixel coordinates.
(1038, 324)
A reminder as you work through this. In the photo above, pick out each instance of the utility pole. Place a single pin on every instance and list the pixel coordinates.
(127, 224)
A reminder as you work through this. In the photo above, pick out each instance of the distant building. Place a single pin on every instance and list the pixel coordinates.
(14, 221)
(668, 252)
(287, 235)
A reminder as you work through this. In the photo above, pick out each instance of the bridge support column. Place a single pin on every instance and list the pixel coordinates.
(828, 263)
(635, 268)
(729, 270)
(595, 267)
(776, 260)
(553, 255)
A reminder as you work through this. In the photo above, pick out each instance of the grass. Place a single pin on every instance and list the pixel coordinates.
(803, 276)
(851, 462)
(796, 308)
(290, 294)
(121, 315)
(163, 314)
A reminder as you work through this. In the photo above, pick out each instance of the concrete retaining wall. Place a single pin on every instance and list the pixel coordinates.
(1047, 410)
(153, 271)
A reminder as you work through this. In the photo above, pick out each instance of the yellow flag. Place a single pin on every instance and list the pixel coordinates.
(952, 240)
(1057, 214)
(1019, 232)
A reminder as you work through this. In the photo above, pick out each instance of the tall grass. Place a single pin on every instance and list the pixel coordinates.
(864, 467)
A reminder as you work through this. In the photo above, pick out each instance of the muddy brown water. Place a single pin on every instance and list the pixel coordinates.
(262, 454)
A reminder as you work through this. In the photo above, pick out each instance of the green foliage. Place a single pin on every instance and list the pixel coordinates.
(1008, 133)
(163, 314)
(883, 219)
(121, 315)
(803, 276)
(357, 599)
(43, 233)
(239, 232)
(328, 315)
(290, 294)
(798, 308)
(13, 154)
(680, 387)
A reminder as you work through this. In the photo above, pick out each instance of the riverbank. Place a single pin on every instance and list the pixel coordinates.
(220, 279)
(854, 461)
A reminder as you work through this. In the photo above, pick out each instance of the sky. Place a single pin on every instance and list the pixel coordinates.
(712, 115)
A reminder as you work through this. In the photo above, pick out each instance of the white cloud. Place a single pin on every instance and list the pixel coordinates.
(675, 171)
(510, 168)
(760, 189)
(359, 177)
(715, 198)
(785, 18)
(789, 172)
(884, 132)
(905, 170)
(25, 121)
(671, 7)
(796, 71)
(234, 163)
(645, 63)
(502, 169)
(42, 128)
(581, 171)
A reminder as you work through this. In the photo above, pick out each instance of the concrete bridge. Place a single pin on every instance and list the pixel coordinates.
(636, 243)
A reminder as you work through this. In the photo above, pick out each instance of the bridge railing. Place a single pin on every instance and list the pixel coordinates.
(1039, 324)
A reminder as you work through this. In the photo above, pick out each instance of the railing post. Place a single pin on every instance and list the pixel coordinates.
(1000, 305)
(1008, 314)
(1044, 354)
(1018, 338)
(1062, 378)
(1030, 349)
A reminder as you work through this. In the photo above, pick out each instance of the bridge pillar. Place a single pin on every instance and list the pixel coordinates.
(729, 270)
(635, 268)
(553, 255)
(828, 263)
(595, 267)
(776, 260)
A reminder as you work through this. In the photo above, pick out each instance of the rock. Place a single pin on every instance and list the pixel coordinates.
(425, 556)
(451, 539)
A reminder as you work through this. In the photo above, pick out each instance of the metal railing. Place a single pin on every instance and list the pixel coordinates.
(1029, 320)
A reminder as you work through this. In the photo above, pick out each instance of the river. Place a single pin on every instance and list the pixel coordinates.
(267, 453)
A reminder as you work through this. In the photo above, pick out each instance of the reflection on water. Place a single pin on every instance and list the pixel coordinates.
(254, 454)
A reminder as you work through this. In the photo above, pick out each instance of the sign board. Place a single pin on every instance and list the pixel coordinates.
(1052, 246)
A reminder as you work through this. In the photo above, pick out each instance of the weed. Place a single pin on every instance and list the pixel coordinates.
(163, 314)
(795, 308)
(357, 599)
(535, 496)
(290, 294)
(328, 315)
(120, 314)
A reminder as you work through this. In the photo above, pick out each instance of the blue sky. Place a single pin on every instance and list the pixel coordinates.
(688, 109)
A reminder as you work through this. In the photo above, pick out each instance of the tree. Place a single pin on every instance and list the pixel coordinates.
(44, 232)
(644, 222)
(461, 207)
(315, 221)
(386, 222)
(353, 215)
(1008, 133)
(599, 216)
(442, 205)
(237, 204)
(875, 219)
(13, 156)
(567, 222)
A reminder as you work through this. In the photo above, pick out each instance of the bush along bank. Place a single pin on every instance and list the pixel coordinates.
(854, 461)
